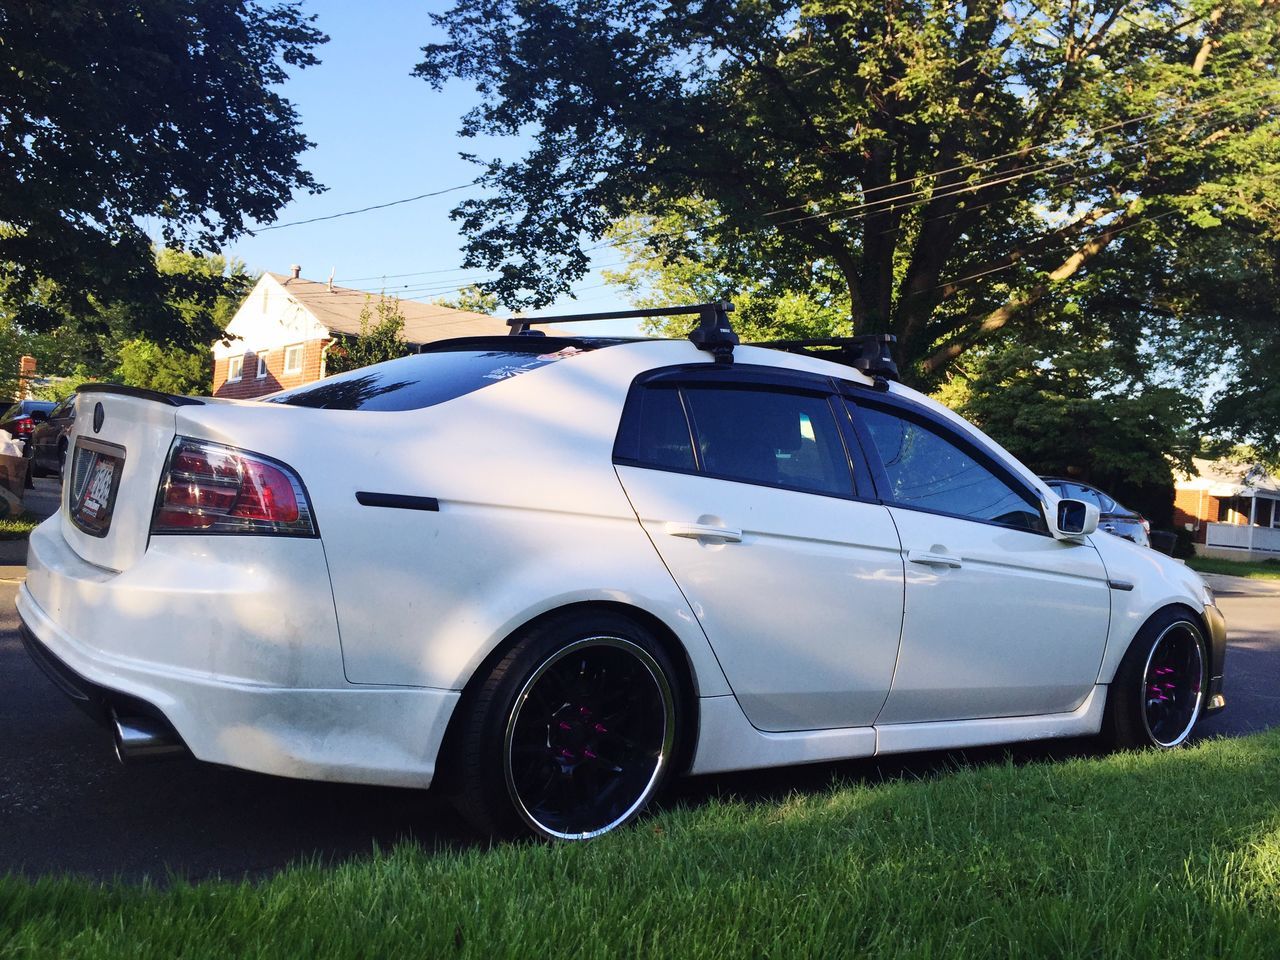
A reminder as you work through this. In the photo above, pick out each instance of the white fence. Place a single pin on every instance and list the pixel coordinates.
(1242, 536)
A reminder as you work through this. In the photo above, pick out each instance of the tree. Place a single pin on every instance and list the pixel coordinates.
(955, 168)
(1080, 408)
(118, 115)
(168, 370)
(472, 298)
(381, 338)
(103, 342)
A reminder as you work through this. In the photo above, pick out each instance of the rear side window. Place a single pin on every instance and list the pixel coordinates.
(927, 470)
(753, 434)
(664, 431)
(769, 437)
(422, 380)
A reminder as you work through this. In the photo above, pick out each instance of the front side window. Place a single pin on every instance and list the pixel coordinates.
(927, 470)
(235, 369)
(293, 359)
(769, 437)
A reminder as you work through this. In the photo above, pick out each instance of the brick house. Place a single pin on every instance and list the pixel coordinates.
(279, 336)
(1232, 509)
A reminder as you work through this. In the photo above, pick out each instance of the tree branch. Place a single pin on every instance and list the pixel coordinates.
(999, 317)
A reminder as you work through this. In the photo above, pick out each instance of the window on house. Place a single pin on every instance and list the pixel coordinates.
(1263, 518)
(235, 369)
(293, 359)
(262, 365)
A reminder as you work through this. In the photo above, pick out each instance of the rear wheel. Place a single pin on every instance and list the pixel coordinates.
(1158, 692)
(571, 734)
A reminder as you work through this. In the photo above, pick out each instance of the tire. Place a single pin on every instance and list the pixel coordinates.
(571, 734)
(1159, 690)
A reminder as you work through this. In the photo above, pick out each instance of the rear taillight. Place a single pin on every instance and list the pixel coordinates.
(211, 488)
(22, 426)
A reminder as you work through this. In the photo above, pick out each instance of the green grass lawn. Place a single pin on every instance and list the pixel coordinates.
(1133, 855)
(1258, 570)
(19, 527)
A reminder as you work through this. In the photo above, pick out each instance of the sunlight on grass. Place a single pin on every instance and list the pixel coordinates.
(1258, 570)
(19, 527)
(1134, 855)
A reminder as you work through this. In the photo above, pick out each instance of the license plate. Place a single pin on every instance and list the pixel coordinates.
(96, 478)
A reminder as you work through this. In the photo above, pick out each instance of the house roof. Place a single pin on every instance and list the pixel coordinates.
(339, 310)
(1230, 478)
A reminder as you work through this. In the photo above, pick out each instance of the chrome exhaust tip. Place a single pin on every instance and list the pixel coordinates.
(141, 739)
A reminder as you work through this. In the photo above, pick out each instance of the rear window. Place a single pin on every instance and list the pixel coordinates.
(424, 379)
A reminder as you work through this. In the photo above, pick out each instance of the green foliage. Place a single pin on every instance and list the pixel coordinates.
(160, 112)
(944, 172)
(203, 294)
(167, 369)
(1157, 854)
(381, 338)
(472, 298)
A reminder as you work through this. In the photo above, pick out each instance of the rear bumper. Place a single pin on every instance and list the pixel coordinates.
(245, 670)
(376, 735)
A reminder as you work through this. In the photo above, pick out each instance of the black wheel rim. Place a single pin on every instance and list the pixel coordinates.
(589, 738)
(1172, 685)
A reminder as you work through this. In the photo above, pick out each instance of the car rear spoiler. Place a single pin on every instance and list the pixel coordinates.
(141, 393)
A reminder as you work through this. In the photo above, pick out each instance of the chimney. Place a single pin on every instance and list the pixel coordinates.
(296, 270)
(26, 373)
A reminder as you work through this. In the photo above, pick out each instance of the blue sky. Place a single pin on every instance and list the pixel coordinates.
(381, 135)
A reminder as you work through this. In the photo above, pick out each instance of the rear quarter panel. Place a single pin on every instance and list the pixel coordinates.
(532, 516)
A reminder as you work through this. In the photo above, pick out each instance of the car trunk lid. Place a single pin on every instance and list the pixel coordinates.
(114, 461)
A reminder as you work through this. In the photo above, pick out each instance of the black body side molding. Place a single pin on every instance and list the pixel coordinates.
(398, 501)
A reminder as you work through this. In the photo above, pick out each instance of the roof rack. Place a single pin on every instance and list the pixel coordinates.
(713, 332)
(869, 353)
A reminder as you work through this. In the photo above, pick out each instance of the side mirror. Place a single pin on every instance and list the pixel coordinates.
(1072, 519)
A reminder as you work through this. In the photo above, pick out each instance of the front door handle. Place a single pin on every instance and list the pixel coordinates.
(704, 531)
(931, 559)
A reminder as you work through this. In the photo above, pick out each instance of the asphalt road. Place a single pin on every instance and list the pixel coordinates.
(67, 806)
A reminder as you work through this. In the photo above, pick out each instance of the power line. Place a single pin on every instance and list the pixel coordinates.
(376, 206)
(996, 178)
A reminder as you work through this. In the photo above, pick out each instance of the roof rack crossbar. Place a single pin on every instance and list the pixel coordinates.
(713, 332)
(869, 352)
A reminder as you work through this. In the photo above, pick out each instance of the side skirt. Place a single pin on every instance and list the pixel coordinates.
(727, 740)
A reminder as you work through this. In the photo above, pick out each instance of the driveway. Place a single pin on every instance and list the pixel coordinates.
(66, 805)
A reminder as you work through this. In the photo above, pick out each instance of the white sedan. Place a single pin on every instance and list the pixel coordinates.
(550, 573)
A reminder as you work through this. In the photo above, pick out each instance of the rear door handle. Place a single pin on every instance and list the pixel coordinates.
(931, 559)
(704, 531)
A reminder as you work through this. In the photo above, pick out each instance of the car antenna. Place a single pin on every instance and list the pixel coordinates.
(713, 333)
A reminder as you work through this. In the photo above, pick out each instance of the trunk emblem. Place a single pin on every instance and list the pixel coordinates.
(98, 416)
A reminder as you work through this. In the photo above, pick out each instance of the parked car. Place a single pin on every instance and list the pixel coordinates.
(549, 574)
(47, 446)
(19, 421)
(1113, 518)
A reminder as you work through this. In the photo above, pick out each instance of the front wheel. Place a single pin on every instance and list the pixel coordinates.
(1158, 692)
(572, 733)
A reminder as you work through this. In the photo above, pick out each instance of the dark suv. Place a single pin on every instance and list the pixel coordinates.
(1116, 519)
